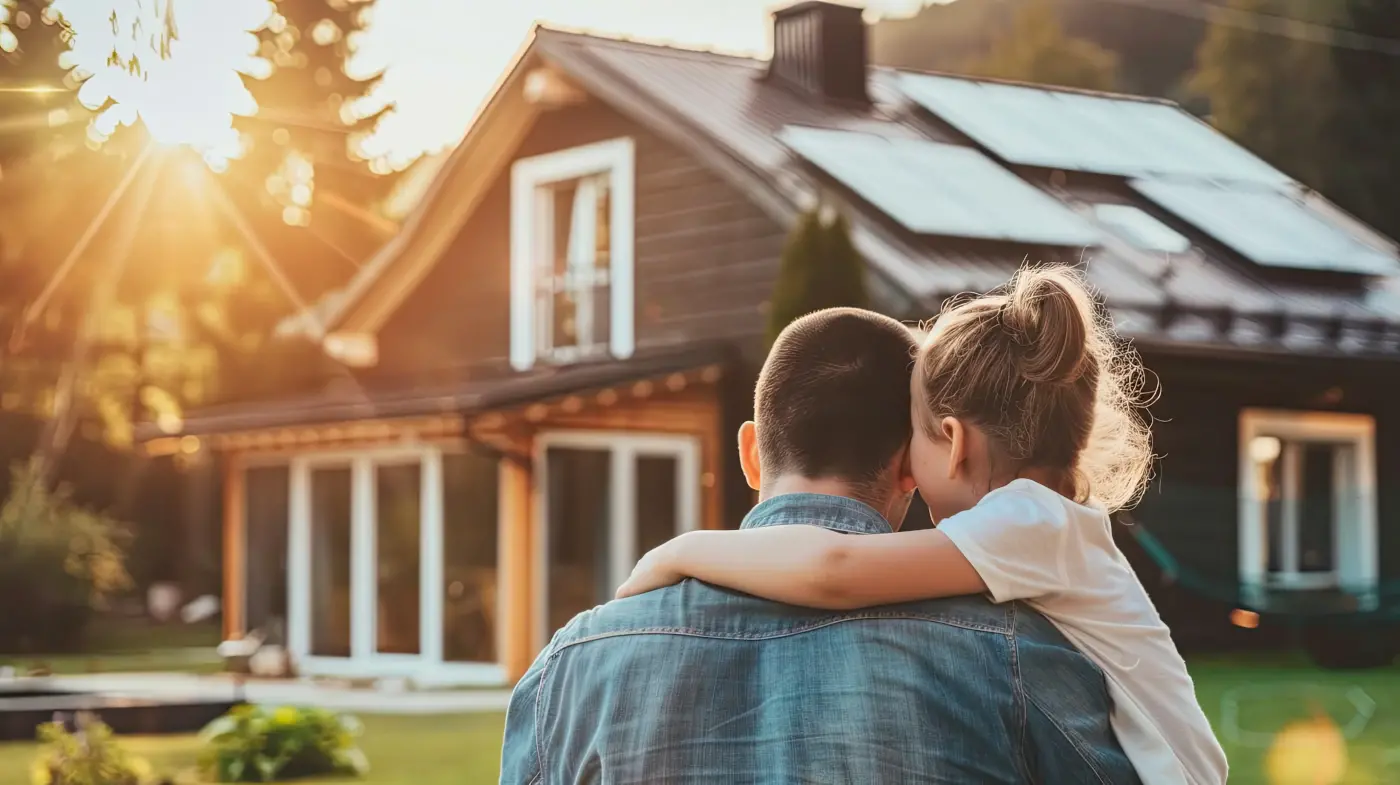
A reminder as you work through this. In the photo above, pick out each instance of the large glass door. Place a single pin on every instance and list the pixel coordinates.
(604, 500)
(362, 536)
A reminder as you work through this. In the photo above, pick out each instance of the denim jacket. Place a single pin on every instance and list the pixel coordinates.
(697, 684)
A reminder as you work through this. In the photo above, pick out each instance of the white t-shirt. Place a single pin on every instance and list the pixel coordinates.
(1030, 543)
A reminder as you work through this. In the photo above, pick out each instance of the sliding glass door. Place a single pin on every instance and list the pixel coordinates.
(377, 584)
(604, 499)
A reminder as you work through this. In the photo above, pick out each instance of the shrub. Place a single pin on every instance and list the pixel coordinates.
(820, 268)
(89, 756)
(254, 744)
(63, 559)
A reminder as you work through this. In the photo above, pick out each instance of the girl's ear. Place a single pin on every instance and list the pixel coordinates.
(955, 433)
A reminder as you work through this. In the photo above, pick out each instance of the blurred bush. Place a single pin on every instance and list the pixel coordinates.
(256, 744)
(88, 756)
(65, 561)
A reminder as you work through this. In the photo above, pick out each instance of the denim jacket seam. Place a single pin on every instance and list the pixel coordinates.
(539, 717)
(1019, 688)
(785, 633)
(1073, 742)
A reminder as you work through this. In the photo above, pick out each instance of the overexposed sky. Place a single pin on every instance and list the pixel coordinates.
(440, 57)
(443, 56)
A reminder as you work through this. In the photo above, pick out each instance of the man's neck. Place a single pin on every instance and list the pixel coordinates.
(827, 486)
(832, 486)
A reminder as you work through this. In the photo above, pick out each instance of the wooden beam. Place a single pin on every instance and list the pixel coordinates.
(549, 88)
(235, 547)
(518, 622)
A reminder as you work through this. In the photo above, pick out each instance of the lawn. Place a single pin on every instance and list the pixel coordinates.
(1283, 691)
(459, 749)
(133, 646)
(465, 749)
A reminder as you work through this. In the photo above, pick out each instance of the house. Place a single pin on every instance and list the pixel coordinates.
(542, 373)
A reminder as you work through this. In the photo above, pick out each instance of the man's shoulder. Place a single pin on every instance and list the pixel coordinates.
(696, 609)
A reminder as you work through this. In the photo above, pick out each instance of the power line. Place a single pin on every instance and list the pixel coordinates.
(1272, 24)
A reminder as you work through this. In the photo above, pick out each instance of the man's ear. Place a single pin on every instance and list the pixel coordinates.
(956, 435)
(904, 472)
(748, 454)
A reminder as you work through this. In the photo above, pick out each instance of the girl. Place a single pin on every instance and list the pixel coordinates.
(1026, 436)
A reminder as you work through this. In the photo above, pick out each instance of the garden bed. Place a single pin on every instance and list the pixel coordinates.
(26, 704)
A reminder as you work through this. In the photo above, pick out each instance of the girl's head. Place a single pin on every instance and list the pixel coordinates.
(1028, 381)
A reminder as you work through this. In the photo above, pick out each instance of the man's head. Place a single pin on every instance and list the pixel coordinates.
(831, 412)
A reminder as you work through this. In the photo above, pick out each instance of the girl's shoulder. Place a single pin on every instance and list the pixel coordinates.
(1031, 501)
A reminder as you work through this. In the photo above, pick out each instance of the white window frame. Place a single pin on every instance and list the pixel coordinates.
(426, 668)
(1355, 545)
(623, 448)
(531, 238)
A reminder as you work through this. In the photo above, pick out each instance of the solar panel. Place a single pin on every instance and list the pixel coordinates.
(1140, 229)
(1081, 132)
(1269, 226)
(941, 189)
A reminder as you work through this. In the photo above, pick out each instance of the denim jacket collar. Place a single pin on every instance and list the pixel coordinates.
(814, 509)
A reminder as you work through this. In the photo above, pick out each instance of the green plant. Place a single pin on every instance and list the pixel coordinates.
(254, 744)
(63, 559)
(88, 756)
(820, 268)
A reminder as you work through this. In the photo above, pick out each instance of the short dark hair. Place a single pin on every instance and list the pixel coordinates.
(833, 396)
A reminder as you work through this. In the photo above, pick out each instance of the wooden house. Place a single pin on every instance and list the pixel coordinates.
(542, 375)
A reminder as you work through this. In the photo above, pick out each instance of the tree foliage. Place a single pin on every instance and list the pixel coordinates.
(1366, 124)
(820, 268)
(1036, 49)
(1273, 94)
(173, 301)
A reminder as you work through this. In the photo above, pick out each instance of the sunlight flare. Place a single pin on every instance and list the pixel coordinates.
(184, 89)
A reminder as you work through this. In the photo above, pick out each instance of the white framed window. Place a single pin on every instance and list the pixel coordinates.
(571, 249)
(1307, 503)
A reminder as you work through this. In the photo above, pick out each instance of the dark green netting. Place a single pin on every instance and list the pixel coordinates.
(1181, 568)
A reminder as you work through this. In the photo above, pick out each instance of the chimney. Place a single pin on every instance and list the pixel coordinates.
(819, 48)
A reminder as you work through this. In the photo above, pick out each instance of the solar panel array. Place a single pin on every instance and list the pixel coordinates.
(941, 189)
(1140, 229)
(1268, 225)
(1083, 132)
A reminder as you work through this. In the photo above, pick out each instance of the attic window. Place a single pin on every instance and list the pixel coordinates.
(1140, 229)
(571, 254)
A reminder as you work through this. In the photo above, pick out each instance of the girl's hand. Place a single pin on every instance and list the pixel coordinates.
(653, 571)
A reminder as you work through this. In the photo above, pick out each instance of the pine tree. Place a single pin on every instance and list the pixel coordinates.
(1037, 49)
(820, 268)
(38, 87)
(308, 107)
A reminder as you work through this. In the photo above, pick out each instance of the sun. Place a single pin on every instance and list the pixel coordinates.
(172, 66)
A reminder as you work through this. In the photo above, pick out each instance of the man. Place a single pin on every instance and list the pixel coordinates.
(695, 684)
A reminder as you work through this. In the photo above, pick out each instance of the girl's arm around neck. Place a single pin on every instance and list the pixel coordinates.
(812, 566)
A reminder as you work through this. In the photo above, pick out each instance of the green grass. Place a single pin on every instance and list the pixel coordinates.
(459, 749)
(1285, 690)
(132, 646)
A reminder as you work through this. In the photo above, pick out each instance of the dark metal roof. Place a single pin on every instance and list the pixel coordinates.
(1200, 298)
(720, 109)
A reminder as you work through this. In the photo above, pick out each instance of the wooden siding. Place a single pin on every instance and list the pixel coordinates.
(706, 258)
(1192, 503)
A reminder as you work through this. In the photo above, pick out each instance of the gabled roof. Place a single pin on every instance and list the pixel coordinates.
(719, 109)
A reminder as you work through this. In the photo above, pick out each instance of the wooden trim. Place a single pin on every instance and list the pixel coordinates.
(235, 547)
(517, 568)
(347, 435)
(465, 182)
